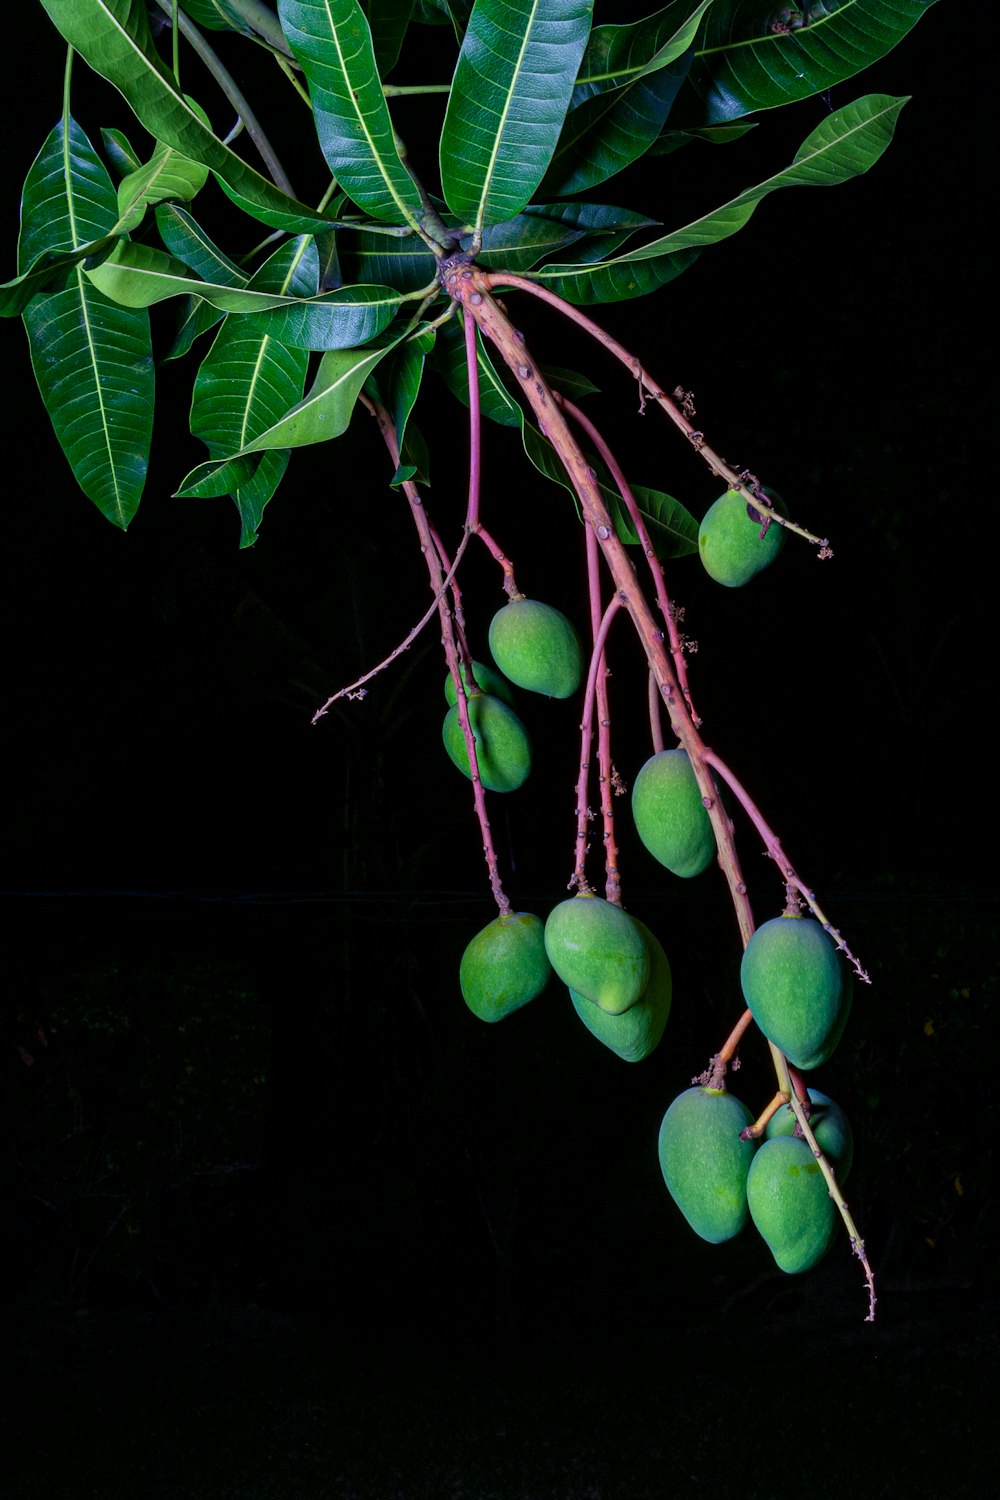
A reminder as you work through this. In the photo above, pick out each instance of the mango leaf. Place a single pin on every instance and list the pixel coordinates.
(495, 401)
(194, 318)
(672, 528)
(216, 15)
(187, 242)
(389, 20)
(713, 135)
(607, 132)
(322, 414)
(405, 264)
(166, 176)
(400, 379)
(332, 43)
(847, 143)
(49, 271)
(618, 56)
(748, 58)
(93, 361)
(120, 151)
(113, 37)
(510, 94)
(139, 276)
(248, 380)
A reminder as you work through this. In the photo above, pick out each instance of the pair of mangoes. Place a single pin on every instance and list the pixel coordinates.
(616, 971)
(534, 646)
(717, 1178)
(733, 541)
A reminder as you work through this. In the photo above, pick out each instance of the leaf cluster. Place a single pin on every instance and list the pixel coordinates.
(540, 110)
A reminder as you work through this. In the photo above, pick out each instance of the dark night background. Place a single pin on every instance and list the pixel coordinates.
(279, 1216)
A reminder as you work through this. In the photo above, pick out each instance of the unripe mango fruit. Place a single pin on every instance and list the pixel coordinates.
(829, 1125)
(537, 648)
(485, 679)
(669, 815)
(636, 1032)
(790, 1204)
(729, 539)
(505, 966)
(795, 984)
(599, 951)
(704, 1162)
(503, 750)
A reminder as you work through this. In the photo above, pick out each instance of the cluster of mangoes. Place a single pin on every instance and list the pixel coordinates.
(615, 969)
(798, 990)
(535, 647)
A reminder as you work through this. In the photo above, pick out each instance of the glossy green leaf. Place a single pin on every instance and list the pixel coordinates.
(248, 380)
(120, 152)
(92, 360)
(216, 15)
(495, 401)
(847, 143)
(49, 271)
(400, 378)
(669, 140)
(745, 61)
(618, 56)
(672, 528)
(166, 176)
(404, 263)
(188, 242)
(509, 98)
(388, 20)
(332, 42)
(113, 37)
(139, 276)
(194, 318)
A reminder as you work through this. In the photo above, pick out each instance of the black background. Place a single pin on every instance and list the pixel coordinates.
(416, 1255)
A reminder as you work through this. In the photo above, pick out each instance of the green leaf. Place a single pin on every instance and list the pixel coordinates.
(216, 15)
(745, 62)
(495, 401)
(120, 151)
(714, 135)
(847, 143)
(195, 318)
(187, 241)
(618, 56)
(332, 42)
(113, 37)
(139, 276)
(404, 263)
(248, 380)
(389, 20)
(401, 379)
(510, 94)
(672, 529)
(92, 360)
(322, 414)
(167, 175)
(49, 271)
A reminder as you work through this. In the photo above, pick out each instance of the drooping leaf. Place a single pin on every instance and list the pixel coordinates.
(751, 55)
(618, 56)
(216, 15)
(92, 360)
(120, 151)
(495, 401)
(332, 42)
(509, 98)
(847, 143)
(388, 20)
(248, 380)
(713, 135)
(672, 528)
(323, 413)
(49, 271)
(194, 318)
(113, 37)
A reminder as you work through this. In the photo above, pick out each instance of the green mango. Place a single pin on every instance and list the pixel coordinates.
(729, 539)
(790, 1204)
(486, 680)
(598, 950)
(503, 750)
(669, 815)
(505, 966)
(537, 648)
(796, 985)
(637, 1031)
(829, 1125)
(704, 1162)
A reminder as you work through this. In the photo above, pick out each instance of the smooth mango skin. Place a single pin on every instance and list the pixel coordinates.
(795, 984)
(503, 750)
(505, 966)
(830, 1126)
(704, 1162)
(486, 680)
(637, 1032)
(537, 648)
(669, 815)
(729, 541)
(790, 1204)
(598, 950)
